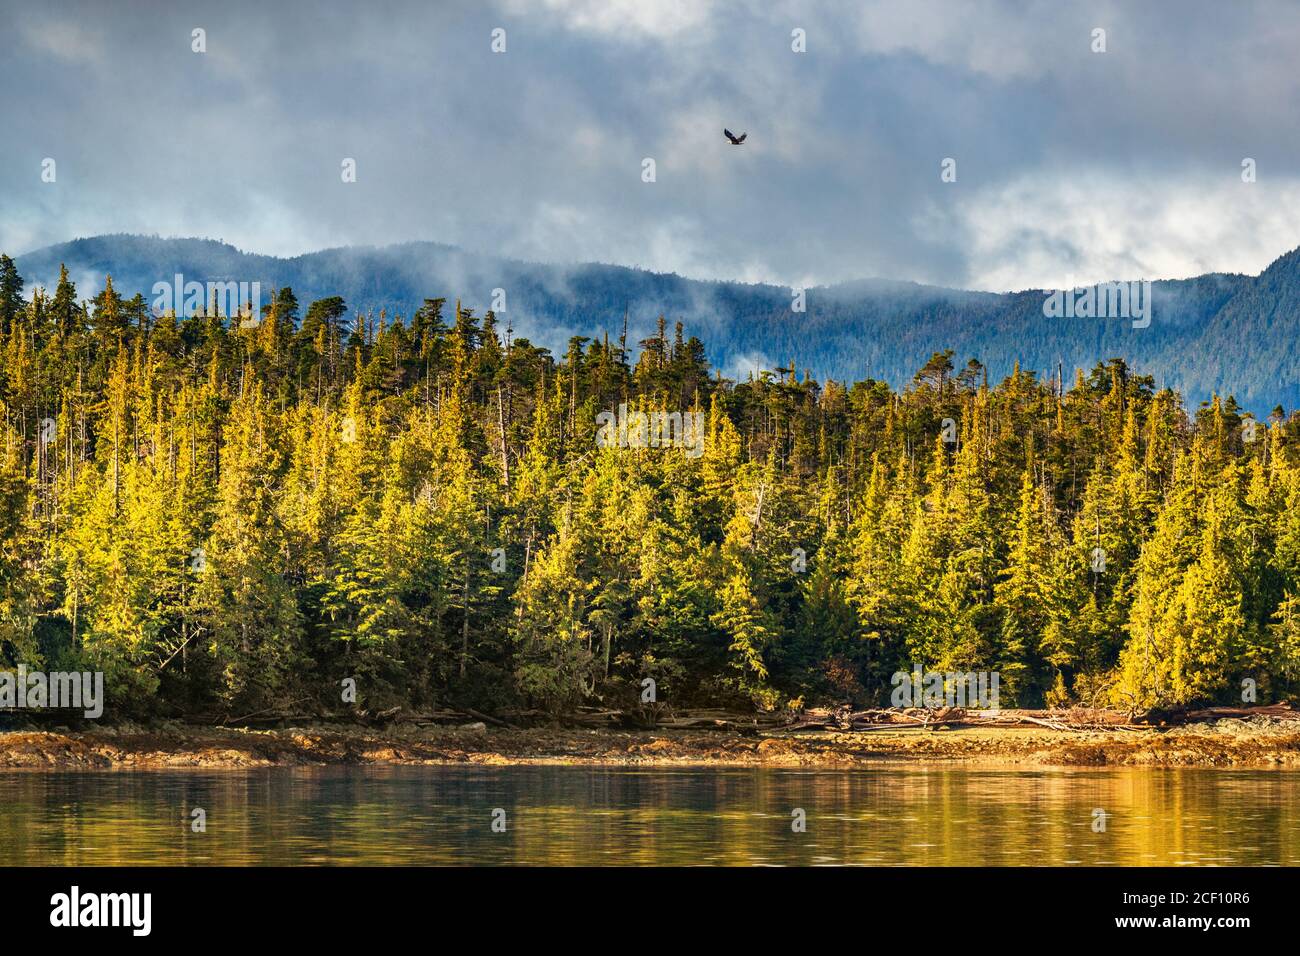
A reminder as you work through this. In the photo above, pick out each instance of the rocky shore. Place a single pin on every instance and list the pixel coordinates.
(1256, 742)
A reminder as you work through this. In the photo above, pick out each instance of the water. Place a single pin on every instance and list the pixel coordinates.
(580, 815)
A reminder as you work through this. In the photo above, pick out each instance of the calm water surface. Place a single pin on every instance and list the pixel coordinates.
(580, 815)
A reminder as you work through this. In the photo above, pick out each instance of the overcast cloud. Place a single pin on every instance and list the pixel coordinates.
(1071, 165)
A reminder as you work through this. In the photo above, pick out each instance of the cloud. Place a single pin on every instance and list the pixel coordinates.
(743, 366)
(1088, 227)
(66, 39)
(625, 19)
(536, 153)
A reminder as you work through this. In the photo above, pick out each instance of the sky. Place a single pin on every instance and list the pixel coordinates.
(1072, 165)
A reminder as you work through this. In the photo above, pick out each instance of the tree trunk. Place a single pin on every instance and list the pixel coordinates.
(464, 630)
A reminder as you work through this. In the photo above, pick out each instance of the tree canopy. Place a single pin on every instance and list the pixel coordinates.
(227, 516)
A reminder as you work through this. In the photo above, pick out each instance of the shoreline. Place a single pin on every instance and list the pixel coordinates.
(1254, 744)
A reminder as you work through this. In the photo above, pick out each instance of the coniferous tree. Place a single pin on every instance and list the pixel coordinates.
(233, 516)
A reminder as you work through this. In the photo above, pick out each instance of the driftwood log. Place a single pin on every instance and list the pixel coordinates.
(843, 719)
(1062, 719)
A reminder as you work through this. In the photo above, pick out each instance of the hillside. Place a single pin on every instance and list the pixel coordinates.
(1213, 333)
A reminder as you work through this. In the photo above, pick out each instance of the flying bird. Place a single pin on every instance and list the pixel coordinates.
(735, 140)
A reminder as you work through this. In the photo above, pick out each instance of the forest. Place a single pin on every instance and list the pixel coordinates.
(229, 518)
(868, 328)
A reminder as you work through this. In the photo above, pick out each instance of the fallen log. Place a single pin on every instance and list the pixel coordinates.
(1281, 710)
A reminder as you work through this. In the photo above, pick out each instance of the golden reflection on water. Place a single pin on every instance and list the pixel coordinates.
(885, 816)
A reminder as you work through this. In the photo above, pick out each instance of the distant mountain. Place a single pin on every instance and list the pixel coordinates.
(1215, 333)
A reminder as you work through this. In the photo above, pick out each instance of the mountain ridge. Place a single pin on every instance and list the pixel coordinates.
(875, 327)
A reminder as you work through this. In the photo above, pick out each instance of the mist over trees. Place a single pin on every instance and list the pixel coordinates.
(871, 328)
(228, 518)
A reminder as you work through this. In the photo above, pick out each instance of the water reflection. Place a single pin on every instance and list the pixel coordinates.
(577, 815)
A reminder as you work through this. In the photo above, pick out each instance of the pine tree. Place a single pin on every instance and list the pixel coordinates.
(246, 602)
(11, 294)
(229, 516)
